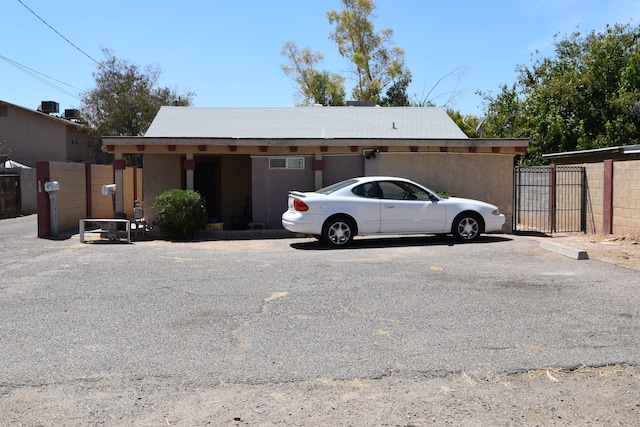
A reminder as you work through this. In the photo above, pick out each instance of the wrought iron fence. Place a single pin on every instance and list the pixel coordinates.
(549, 199)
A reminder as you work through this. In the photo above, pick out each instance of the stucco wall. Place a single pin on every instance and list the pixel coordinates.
(161, 173)
(340, 167)
(29, 136)
(270, 188)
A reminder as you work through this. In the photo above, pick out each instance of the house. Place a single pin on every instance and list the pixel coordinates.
(27, 135)
(246, 160)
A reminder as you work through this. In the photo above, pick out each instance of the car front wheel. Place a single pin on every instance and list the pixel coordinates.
(338, 231)
(466, 227)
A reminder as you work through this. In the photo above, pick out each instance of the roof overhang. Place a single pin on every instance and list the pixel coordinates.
(596, 154)
(132, 141)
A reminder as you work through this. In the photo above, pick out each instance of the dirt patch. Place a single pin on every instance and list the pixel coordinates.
(619, 250)
(586, 396)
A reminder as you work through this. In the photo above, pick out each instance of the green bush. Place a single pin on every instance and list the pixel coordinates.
(181, 213)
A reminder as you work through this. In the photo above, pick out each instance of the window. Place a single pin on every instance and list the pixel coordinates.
(286, 162)
(4, 111)
(370, 190)
(403, 191)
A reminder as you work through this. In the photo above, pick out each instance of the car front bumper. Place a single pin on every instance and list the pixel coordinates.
(493, 223)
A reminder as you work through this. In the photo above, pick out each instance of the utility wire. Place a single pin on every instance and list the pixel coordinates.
(42, 77)
(56, 31)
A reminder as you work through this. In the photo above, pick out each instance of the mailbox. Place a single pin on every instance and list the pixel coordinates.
(108, 190)
(50, 186)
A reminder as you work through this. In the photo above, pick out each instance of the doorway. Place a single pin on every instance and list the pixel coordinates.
(206, 181)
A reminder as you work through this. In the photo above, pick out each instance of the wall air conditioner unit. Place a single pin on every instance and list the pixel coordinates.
(49, 107)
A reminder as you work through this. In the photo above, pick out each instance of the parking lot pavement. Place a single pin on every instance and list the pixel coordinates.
(290, 309)
(412, 331)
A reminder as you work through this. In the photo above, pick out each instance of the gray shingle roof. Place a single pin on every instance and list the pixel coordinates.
(305, 123)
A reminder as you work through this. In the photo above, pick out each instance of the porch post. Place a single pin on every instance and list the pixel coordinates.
(607, 202)
(118, 177)
(318, 166)
(189, 167)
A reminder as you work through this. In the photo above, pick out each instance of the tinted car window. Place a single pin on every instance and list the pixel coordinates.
(368, 189)
(397, 190)
(337, 186)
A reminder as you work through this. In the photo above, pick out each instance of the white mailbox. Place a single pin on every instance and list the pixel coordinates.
(50, 186)
(108, 190)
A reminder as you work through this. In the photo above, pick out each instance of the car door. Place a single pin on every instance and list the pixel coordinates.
(366, 208)
(407, 208)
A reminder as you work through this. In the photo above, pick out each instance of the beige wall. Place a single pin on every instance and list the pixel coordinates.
(486, 177)
(72, 203)
(28, 136)
(101, 206)
(161, 173)
(72, 197)
(626, 197)
(595, 196)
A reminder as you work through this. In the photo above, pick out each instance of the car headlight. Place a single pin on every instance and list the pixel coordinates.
(495, 212)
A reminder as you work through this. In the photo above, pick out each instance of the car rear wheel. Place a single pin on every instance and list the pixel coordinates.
(338, 231)
(466, 227)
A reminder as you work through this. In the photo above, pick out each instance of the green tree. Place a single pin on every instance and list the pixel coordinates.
(586, 96)
(376, 63)
(314, 86)
(396, 94)
(472, 126)
(124, 102)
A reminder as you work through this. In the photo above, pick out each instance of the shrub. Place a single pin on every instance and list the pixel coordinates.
(181, 213)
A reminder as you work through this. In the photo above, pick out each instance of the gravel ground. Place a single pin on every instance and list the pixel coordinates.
(605, 396)
(587, 395)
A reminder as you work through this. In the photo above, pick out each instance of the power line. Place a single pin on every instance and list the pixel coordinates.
(37, 75)
(56, 31)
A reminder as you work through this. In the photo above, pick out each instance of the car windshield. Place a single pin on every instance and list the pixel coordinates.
(337, 186)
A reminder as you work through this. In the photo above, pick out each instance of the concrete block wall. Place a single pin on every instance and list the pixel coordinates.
(80, 194)
(626, 198)
(101, 206)
(72, 197)
(595, 195)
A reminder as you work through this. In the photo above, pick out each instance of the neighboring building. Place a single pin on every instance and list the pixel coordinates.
(27, 136)
(246, 160)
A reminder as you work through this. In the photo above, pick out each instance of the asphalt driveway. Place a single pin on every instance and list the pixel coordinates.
(278, 311)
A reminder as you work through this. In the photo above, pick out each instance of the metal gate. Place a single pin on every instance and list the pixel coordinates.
(549, 199)
(9, 195)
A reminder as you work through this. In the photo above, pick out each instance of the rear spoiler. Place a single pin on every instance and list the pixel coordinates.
(297, 193)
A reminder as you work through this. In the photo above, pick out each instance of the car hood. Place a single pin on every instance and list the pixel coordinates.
(463, 201)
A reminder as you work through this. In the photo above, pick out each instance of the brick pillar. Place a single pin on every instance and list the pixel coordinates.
(42, 199)
(607, 202)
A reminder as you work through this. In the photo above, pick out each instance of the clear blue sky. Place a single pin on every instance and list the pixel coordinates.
(228, 52)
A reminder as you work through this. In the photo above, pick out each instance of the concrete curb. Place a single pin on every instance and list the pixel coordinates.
(564, 250)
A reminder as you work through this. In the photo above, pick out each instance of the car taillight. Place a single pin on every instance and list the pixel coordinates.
(299, 205)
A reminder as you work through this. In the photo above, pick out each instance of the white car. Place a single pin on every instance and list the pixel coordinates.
(378, 205)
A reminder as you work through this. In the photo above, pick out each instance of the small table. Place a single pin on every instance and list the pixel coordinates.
(111, 232)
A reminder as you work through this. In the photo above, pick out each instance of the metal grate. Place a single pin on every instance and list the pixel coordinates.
(549, 199)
